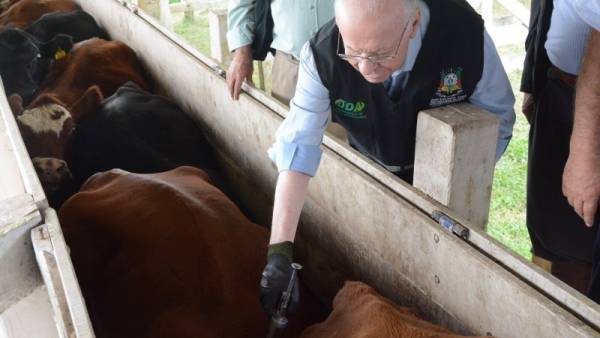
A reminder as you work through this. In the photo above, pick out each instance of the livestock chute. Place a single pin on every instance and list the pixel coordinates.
(359, 222)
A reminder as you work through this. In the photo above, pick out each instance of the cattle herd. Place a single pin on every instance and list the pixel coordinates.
(159, 249)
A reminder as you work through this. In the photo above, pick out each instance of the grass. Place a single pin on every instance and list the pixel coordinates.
(195, 31)
(507, 209)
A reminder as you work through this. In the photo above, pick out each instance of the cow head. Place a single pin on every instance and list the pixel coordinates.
(53, 173)
(24, 62)
(46, 129)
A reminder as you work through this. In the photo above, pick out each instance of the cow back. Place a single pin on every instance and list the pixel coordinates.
(360, 312)
(165, 255)
(22, 13)
(107, 64)
(78, 24)
(139, 132)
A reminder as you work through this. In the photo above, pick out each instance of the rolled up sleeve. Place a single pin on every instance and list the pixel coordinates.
(494, 94)
(298, 140)
(240, 23)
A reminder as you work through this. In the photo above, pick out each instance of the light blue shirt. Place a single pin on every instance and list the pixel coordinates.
(298, 139)
(294, 22)
(589, 11)
(568, 35)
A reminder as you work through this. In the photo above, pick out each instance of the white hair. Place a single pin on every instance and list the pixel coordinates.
(374, 7)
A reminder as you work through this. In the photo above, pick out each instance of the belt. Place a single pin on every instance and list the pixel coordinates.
(568, 79)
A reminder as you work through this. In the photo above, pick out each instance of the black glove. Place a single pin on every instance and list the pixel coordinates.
(276, 277)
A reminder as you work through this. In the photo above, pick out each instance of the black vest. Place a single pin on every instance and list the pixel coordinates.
(446, 71)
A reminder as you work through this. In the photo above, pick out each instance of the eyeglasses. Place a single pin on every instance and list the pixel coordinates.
(374, 59)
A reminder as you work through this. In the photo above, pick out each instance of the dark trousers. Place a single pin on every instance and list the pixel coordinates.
(557, 233)
(594, 291)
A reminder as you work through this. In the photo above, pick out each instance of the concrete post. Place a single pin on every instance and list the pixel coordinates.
(151, 7)
(219, 50)
(166, 19)
(455, 158)
(188, 13)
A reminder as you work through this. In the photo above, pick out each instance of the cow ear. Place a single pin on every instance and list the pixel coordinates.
(57, 47)
(88, 103)
(16, 104)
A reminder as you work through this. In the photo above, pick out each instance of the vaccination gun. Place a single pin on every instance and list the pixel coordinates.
(278, 320)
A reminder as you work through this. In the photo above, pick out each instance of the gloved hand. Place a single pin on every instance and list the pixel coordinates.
(276, 277)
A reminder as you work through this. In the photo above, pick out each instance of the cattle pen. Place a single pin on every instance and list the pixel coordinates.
(359, 222)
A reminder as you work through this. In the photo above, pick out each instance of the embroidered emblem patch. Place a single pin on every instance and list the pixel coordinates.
(450, 88)
(353, 110)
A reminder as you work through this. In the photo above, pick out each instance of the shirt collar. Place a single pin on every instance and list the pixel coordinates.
(414, 45)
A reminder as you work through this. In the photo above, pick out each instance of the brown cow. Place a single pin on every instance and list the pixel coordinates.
(94, 69)
(94, 62)
(360, 312)
(166, 255)
(46, 131)
(22, 13)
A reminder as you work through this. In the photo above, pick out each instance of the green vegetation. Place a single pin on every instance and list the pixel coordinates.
(194, 31)
(507, 209)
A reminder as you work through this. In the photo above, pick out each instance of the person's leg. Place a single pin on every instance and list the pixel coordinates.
(557, 233)
(575, 274)
(594, 288)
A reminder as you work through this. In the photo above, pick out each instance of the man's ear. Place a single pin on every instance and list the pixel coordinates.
(416, 22)
(16, 104)
(87, 104)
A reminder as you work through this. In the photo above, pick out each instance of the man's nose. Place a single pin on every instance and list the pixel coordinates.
(366, 67)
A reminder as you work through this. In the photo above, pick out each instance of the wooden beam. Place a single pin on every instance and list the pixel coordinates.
(17, 175)
(455, 159)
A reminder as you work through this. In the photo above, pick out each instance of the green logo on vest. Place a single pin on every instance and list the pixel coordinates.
(349, 109)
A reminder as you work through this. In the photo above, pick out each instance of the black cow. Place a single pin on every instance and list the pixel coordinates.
(78, 24)
(138, 132)
(24, 61)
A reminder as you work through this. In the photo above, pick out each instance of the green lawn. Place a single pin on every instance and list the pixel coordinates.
(194, 31)
(507, 210)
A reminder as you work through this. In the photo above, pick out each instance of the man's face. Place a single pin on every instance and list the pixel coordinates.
(384, 42)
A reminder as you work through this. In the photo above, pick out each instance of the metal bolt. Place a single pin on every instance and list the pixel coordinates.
(437, 279)
(436, 238)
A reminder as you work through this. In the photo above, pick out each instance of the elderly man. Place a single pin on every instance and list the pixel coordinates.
(294, 22)
(375, 68)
